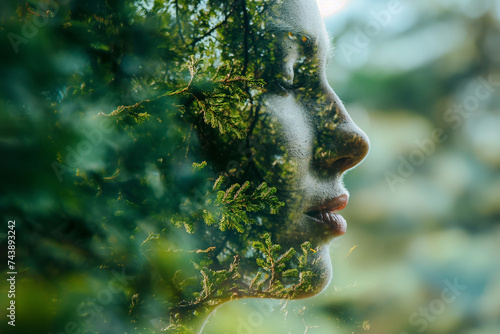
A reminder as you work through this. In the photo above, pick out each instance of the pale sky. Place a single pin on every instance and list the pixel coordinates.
(329, 7)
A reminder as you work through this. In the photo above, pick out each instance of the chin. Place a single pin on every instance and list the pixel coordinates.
(320, 236)
(321, 266)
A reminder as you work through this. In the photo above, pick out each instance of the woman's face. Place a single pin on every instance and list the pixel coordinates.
(317, 140)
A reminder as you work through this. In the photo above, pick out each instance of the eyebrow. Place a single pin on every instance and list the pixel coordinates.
(327, 50)
(282, 28)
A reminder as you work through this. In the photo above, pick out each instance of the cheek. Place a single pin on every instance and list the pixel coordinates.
(294, 128)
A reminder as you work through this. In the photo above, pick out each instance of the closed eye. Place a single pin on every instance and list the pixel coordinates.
(287, 86)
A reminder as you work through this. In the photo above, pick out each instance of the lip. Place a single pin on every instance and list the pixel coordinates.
(326, 214)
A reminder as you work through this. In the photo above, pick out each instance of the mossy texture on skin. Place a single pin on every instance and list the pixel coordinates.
(197, 186)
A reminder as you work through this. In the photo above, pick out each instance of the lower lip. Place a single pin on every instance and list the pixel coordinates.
(334, 222)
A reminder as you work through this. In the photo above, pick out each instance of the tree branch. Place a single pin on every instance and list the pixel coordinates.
(246, 30)
(178, 21)
(217, 26)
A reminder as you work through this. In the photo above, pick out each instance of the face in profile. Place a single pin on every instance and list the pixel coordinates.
(308, 138)
(299, 140)
(126, 206)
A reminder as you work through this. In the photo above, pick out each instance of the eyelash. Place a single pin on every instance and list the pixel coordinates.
(288, 87)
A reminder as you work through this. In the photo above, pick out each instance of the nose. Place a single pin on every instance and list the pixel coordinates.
(339, 143)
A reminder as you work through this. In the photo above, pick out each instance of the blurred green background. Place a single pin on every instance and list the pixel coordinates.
(424, 211)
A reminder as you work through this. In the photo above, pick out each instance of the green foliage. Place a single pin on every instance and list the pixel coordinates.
(236, 204)
(105, 112)
(271, 262)
(218, 95)
(199, 166)
(230, 209)
(280, 266)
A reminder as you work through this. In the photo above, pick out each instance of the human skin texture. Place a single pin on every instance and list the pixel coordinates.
(302, 144)
(318, 141)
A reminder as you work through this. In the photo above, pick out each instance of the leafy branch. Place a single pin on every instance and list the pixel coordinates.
(229, 210)
(271, 262)
(216, 287)
(236, 203)
(217, 97)
(281, 266)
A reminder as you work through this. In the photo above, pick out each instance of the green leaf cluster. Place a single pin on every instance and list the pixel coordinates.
(280, 266)
(230, 209)
(106, 112)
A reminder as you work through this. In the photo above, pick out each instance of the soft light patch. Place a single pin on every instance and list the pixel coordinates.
(329, 7)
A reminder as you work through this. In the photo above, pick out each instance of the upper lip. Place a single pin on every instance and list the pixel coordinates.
(332, 205)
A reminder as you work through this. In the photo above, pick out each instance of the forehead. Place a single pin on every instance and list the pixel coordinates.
(300, 17)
